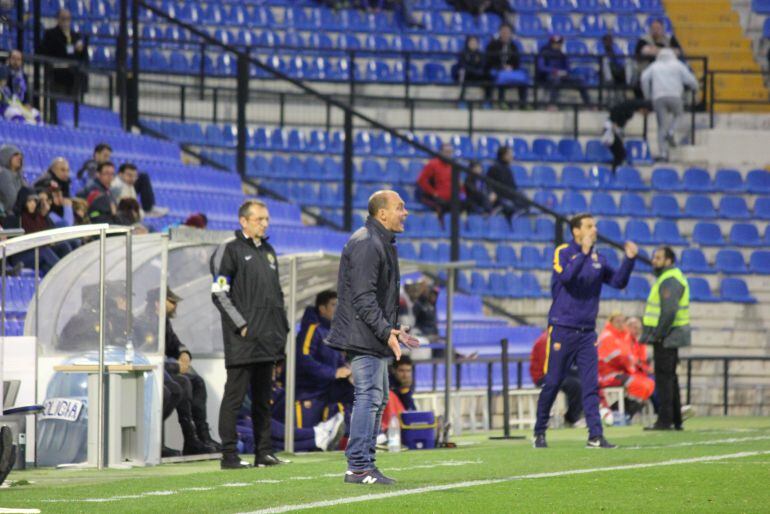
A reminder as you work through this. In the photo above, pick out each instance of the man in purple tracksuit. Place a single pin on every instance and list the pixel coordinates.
(576, 284)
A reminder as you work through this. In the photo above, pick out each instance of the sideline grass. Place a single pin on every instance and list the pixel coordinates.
(739, 485)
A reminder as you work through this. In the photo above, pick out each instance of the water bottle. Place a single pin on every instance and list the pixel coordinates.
(394, 434)
(129, 352)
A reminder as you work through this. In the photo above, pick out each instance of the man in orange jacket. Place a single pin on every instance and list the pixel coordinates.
(619, 366)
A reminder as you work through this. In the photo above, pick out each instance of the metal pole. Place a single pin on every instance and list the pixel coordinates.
(506, 389)
(37, 283)
(2, 302)
(133, 110)
(689, 380)
(712, 99)
(725, 379)
(454, 215)
(121, 61)
(129, 286)
(291, 360)
(101, 452)
(36, 27)
(242, 100)
(449, 353)
(20, 25)
(490, 394)
(692, 118)
(347, 166)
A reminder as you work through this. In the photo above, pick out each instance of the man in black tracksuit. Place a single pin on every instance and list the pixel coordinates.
(247, 292)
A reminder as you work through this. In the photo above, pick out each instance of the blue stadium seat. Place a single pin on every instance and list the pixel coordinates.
(759, 262)
(591, 6)
(520, 149)
(600, 177)
(623, 6)
(603, 204)
(546, 198)
(544, 230)
(530, 286)
(735, 290)
(664, 206)
(762, 208)
(630, 179)
(745, 234)
(632, 204)
(628, 27)
(700, 290)
(693, 260)
(730, 262)
(527, 6)
(571, 150)
(708, 234)
(639, 232)
(480, 254)
(637, 289)
(479, 284)
(546, 150)
(665, 179)
(573, 177)
(529, 258)
(562, 24)
(436, 73)
(576, 47)
(758, 181)
(610, 229)
(559, 6)
(520, 230)
(734, 208)
(638, 152)
(651, 6)
(592, 25)
(544, 176)
(699, 207)
(529, 25)
(697, 180)
(572, 203)
(667, 232)
(729, 181)
(506, 256)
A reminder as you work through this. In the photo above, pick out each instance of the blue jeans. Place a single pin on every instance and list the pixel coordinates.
(370, 379)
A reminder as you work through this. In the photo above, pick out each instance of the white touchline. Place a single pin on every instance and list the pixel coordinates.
(709, 442)
(474, 483)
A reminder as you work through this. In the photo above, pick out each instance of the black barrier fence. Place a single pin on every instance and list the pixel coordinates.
(717, 97)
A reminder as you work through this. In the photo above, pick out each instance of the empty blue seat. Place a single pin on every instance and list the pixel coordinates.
(745, 234)
(628, 27)
(758, 181)
(708, 234)
(651, 6)
(762, 208)
(632, 204)
(638, 152)
(693, 260)
(572, 203)
(729, 181)
(573, 177)
(546, 199)
(639, 232)
(530, 286)
(544, 176)
(591, 6)
(603, 204)
(699, 207)
(624, 6)
(529, 25)
(735, 290)
(529, 257)
(730, 262)
(759, 262)
(506, 256)
(562, 24)
(609, 229)
(700, 291)
(592, 25)
(478, 284)
(734, 207)
(597, 152)
(570, 149)
(667, 232)
(638, 288)
(697, 179)
(546, 150)
(628, 178)
(664, 206)
(665, 179)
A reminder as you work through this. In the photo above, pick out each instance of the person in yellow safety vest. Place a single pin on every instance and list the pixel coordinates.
(666, 325)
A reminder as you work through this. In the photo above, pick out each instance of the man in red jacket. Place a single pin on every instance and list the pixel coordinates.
(434, 185)
(570, 386)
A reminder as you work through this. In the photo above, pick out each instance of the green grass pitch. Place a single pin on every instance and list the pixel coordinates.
(715, 465)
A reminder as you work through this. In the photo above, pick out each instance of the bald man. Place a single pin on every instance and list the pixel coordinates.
(58, 172)
(60, 42)
(366, 327)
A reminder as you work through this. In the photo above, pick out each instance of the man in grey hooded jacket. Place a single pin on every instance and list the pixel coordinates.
(11, 177)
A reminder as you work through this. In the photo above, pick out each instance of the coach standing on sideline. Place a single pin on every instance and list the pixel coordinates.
(576, 284)
(247, 292)
(365, 326)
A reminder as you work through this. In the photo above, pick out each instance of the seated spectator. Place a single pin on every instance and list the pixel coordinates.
(553, 70)
(130, 215)
(647, 49)
(80, 211)
(61, 213)
(62, 42)
(478, 7)
(425, 316)
(613, 66)
(434, 185)
(323, 376)
(59, 172)
(503, 55)
(400, 397)
(129, 183)
(500, 172)
(570, 386)
(470, 66)
(31, 214)
(618, 365)
(11, 177)
(14, 100)
(478, 198)
(197, 220)
(102, 206)
(620, 114)
(102, 153)
(404, 9)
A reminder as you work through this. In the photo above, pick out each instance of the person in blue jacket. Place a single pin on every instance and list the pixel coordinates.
(553, 71)
(323, 376)
(576, 284)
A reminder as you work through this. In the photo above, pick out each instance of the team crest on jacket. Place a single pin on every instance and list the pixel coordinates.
(556, 347)
(271, 260)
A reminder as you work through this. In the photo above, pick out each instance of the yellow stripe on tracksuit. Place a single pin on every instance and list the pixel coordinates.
(547, 349)
(556, 264)
(298, 409)
(308, 339)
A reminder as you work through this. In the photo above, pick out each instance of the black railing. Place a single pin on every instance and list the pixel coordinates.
(715, 98)
(725, 360)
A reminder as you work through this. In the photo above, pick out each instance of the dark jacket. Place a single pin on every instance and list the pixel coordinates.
(55, 44)
(622, 112)
(247, 292)
(550, 60)
(174, 346)
(576, 285)
(476, 194)
(425, 316)
(501, 172)
(368, 292)
(48, 177)
(498, 55)
(316, 363)
(671, 292)
(87, 170)
(473, 62)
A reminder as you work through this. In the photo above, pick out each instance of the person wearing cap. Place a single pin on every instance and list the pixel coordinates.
(184, 389)
(553, 70)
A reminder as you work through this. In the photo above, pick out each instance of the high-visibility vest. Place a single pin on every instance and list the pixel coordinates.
(652, 310)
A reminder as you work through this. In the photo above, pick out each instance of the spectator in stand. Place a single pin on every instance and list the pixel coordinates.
(11, 177)
(570, 386)
(404, 9)
(647, 49)
(14, 101)
(129, 214)
(663, 83)
(131, 184)
(80, 211)
(620, 114)
(400, 399)
(434, 185)
(102, 206)
(471, 68)
(503, 55)
(31, 214)
(502, 175)
(197, 220)
(102, 153)
(613, 67)
(58, 172)
(478, 198)
(61, 42)
(61, 213)
(478, 7)
(553, 71)
(618, 366)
